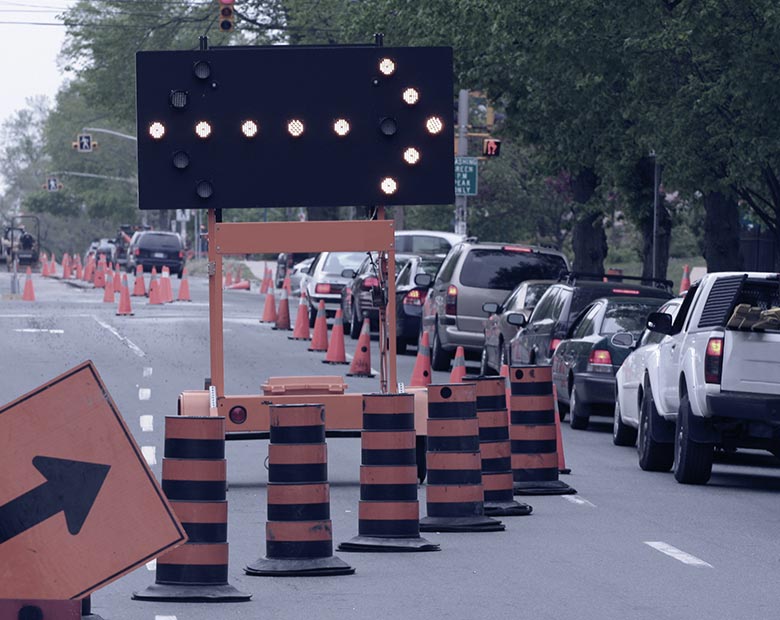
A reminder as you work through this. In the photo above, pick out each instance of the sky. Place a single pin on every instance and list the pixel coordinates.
(28, 52)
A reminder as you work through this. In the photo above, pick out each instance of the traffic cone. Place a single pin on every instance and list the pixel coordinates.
(29, 293)
(361, 363)
(139, 287)
(266, 284)
(269, 309)
(237, 274)
(124, 308)
(319, 341)
(458, 366)
(283, 312)
(79, 268)
(301, 331)
(154, 289)
(562, 469)
(239, 285)
(52, 266)
(65, 266)
(108, 289)
(44, 265)
(336, 353)
(228, 278)
(166, 288)
(89, 271)
(685, 283)
(421, 375)
(100, 274)
(184, 287)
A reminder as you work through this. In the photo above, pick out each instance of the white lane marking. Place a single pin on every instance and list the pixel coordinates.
(147, 371)
(30, 330)
(349, 359)
(144, 393)
(165, 618)
(580, 501)
(131, 345)
(674, 552)
(151, 565)
(150, 454)
(147, 423)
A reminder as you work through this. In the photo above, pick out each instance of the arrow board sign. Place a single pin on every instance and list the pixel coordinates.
(79, 506)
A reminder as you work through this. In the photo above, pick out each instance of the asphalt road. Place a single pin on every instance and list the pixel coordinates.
(629, 544)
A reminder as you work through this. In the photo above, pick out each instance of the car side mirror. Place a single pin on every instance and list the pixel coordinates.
(490, 307)
(348, 273)
(660, 322)
(423, 280)
(516, 318)
(622, 340)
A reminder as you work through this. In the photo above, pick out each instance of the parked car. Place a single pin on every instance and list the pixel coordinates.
(326, 282)
(158, 249)
(299, 273)
(563, 301)
(425, 241)
(584, 364)
(410, 297)
(362, 296)
(498, 328)
(285, 263)
(630, 378)
(474, 273)
(106, 250)
(718, 379)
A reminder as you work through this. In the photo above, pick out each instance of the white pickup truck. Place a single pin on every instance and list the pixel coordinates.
(717, 382)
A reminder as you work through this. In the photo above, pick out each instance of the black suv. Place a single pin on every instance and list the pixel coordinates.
(472, 274)
(154, 248)
(563, 301)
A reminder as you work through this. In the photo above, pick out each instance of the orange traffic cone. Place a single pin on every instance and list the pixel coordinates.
(336, 353)
(139, 286)
(44, 265)
(52, 266)
(458, 366)
(361, 363)
(65, 266)
(228, 278)
(155, 296)
(283, 312)
(319, 341)
(685, 283)
(239, 285)
(184, 287)
(301, 331)
(29, 292)
(167, 289)
(266, 284)
(108, 289)
(124, 308)
(269, 309)
(562, 469)
(421, 375)
(89, 271)
(79, 268)
(100, 274)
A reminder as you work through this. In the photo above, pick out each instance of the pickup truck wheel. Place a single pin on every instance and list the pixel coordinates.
(580, 413)
(653, 455)
(440, 359)
(692, 460)
(622, 434)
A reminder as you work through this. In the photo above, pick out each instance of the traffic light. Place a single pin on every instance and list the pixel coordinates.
(226, 15)
(491, 147)
(285, 126)
(84, 143)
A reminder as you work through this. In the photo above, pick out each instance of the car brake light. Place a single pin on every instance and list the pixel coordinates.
(515, 248)
(554, 345)
(181, 254)
(451, 302)
(137, 252)
(713, 360)
(625, 291)
(323, 288)
(415, 297)
(370, 282)
(599, 361)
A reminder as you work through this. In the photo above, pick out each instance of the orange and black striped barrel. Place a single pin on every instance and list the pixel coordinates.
(454, 496)
(532, 433)
(194, 479)
(388, 512)
(494, 447)
(299, 538)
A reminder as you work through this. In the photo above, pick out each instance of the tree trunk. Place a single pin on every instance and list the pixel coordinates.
(589, 242)
(721, 232)
(663, 242)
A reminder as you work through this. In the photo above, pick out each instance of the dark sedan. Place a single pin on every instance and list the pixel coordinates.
(585, 362)
(410, 297)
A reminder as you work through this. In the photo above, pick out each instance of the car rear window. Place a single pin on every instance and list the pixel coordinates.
(167, 242)
(421, 244)
(336, 262)
(627, 317)
(586, 294)
(499, 269)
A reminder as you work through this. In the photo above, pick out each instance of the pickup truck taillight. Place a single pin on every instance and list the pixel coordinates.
(451, 301)
(713, 360)
(599, 361)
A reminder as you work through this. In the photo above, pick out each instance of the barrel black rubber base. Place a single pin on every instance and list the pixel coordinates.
(507, 509)
(91, 616)
(224, 593)
(299, 567)
(370, 544)
(551, 487)
(564, 471)
(282, 329)
(293, 338)
(335, 363)
(359, 374)
(461, 524)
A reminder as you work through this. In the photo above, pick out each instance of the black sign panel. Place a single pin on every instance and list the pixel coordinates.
(244, 127)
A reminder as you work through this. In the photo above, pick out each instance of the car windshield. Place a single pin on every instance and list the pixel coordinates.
(502, 269)
(533, 293)
(170, 242)
(430, 266)
(336, 262)
(627, 317)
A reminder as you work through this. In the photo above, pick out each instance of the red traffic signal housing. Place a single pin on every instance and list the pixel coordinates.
(226, 15)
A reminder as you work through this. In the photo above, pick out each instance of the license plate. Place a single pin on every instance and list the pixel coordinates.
(159, 255)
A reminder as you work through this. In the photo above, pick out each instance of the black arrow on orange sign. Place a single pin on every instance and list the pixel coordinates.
(71, 487)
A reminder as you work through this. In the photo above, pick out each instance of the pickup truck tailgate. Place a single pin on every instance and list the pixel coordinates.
(751, 362)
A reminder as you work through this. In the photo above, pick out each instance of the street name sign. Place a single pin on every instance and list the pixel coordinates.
(79, 506)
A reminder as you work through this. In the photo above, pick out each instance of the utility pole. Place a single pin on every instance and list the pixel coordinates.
(461, 202)
(656, 181)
